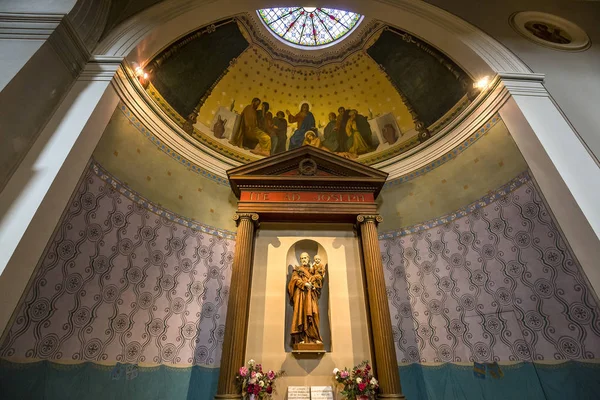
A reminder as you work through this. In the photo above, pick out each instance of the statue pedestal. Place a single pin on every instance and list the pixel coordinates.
(308, 350)
(308, 347)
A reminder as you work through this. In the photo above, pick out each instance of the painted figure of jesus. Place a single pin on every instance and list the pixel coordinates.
(305, 120)
(304, 291)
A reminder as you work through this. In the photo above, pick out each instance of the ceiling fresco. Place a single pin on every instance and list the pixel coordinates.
(378, 94)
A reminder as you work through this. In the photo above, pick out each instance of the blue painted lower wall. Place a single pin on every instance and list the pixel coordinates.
(45, 380)
(49, 381)
(565, 381)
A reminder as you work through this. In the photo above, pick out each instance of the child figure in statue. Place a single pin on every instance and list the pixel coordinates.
(318, 274)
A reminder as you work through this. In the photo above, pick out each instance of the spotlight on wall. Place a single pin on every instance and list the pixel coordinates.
(141, 75)
(482, 83)
(139, 71)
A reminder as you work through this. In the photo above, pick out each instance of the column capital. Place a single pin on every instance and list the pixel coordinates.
(253, 217)
(70, 47)
(28, 26)
(375, 218)
(100, 68)
(524, 84)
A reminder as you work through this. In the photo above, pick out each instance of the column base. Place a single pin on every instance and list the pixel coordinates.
(228, 396)
(391, 396)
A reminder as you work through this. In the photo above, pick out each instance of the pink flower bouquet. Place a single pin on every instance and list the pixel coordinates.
(358, 382)
(255, 382)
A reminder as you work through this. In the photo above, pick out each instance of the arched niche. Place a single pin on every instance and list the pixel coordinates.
(313, 248)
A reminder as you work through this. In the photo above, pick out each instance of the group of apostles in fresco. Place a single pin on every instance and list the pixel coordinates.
(347, 133)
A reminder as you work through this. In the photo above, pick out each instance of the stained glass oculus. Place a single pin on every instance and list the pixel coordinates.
(309, 26)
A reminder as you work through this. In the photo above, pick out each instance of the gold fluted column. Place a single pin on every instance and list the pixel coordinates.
(379, 310)
(236, 324)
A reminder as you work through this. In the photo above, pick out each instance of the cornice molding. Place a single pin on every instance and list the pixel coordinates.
(164, 129)
(453, 139)
(532, 85)
(101, 68)
(483, 108)
(65, 40)
(69, 46)
(524, 84)
(28, 26)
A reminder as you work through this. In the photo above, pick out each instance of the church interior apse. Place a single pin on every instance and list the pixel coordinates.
(332, 136)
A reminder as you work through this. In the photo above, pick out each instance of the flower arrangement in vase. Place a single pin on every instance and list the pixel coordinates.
(255, 383)
(358, 383)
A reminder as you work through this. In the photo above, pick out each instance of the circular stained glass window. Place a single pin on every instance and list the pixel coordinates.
(309, 27)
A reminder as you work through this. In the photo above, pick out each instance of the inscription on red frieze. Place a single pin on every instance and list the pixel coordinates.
(308, 197)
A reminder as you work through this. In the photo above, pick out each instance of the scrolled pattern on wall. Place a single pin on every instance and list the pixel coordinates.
(498, 284)
(121, 283)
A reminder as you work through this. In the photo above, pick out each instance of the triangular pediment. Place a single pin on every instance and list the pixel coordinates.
(306, 167)
(327, 163)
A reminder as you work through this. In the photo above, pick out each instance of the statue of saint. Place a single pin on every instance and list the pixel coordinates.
(304, 291)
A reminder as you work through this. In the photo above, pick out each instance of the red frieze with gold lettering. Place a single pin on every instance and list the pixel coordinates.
(282, 188)
(306, 197)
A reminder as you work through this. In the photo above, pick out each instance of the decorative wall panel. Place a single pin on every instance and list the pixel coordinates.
(120, 283)
(498, 283)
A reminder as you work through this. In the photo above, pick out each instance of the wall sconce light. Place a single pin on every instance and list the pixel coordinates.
(139, 71)
(482, 83)
(141, 75)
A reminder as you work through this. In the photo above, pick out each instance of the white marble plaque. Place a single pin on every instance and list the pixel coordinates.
(298, 393)
(321, 393)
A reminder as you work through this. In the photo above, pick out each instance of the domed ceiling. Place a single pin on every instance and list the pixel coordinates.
(373, 93)
(309, 27)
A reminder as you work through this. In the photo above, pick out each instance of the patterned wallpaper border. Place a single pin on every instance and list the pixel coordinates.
(448, 156)
(19, 364)
(503, 190)
(547, 364)
(152, 207)
(169, 151)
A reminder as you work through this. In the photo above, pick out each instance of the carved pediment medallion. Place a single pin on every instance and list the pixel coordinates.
(307, 183)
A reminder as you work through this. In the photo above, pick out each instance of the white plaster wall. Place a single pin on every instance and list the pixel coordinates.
(28, 102)
(14, 55)
(349, 328)
(572, 78)
(32, 202)
(37, 6)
